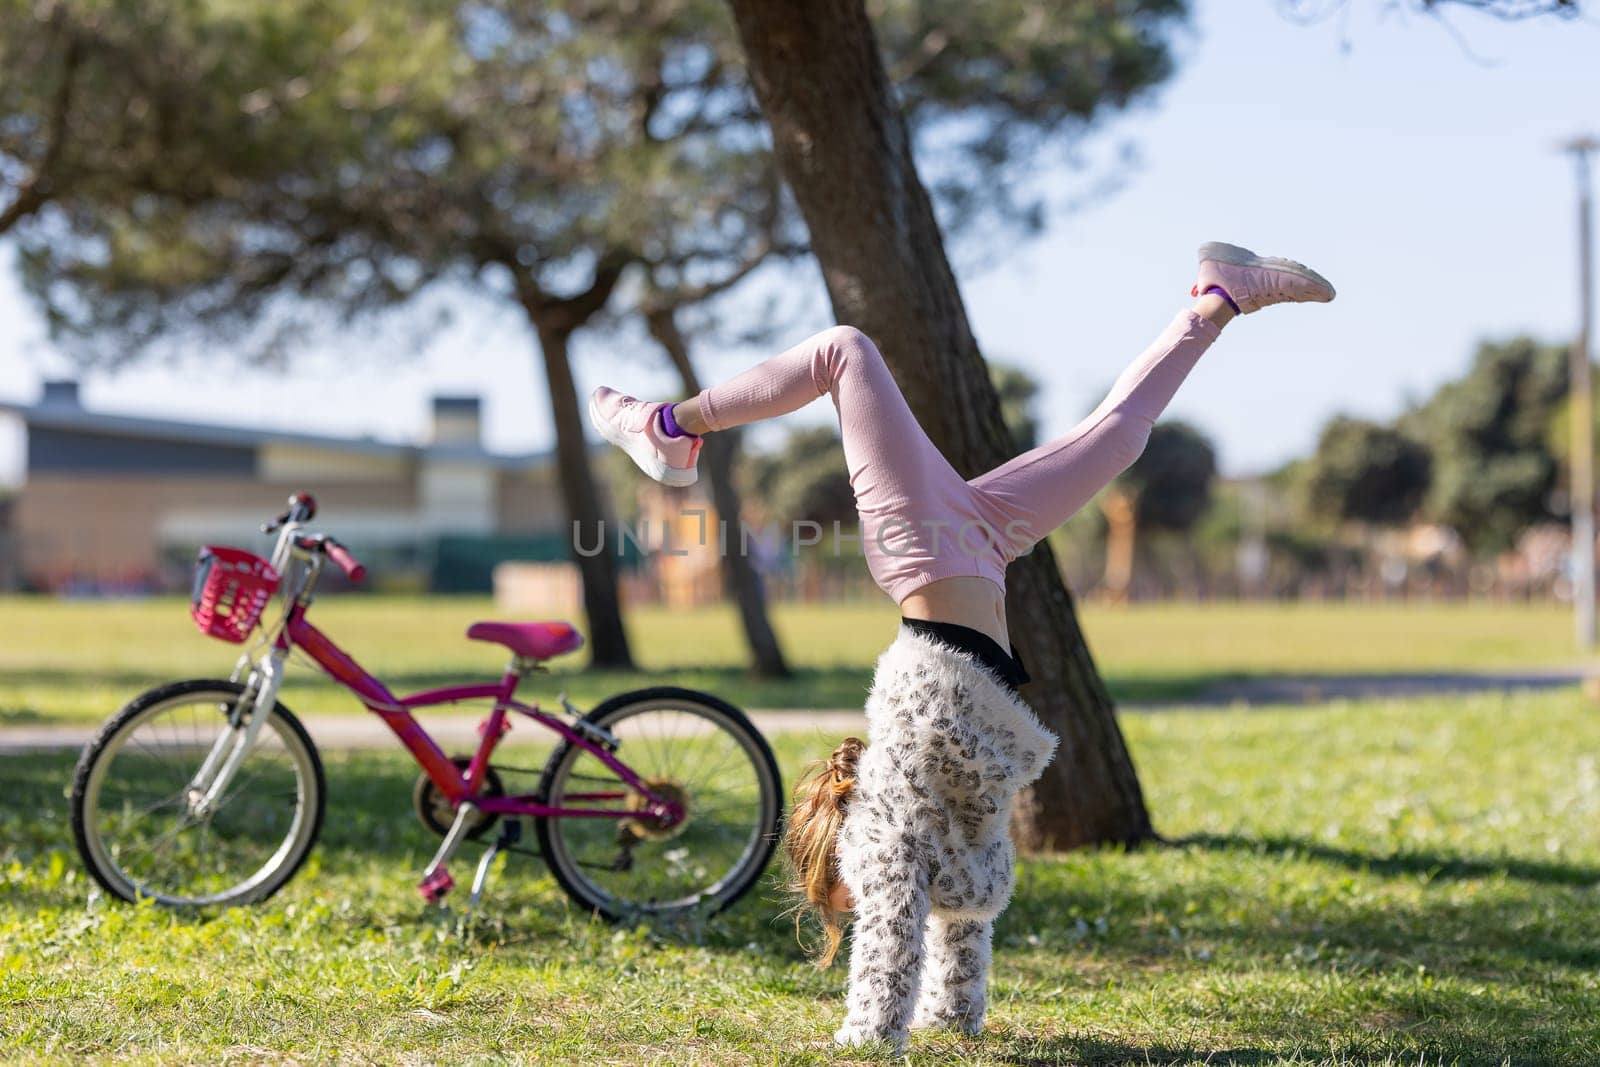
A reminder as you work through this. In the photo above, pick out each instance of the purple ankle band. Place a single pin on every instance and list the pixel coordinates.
(669, 425)
(1220, 291)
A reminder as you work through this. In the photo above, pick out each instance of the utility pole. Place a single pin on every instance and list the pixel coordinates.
(1582, 411)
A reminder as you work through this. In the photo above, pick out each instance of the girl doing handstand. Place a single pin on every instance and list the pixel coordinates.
(912, 830)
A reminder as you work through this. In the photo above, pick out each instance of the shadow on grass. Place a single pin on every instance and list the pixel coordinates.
(1468, 1050)
(1091, 1050)
(1375, 971)
(1252, 906)
(1432, 865)
(369, 829)
(35, 828)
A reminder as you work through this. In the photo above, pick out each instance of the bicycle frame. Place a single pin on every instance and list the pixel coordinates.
(440, 769)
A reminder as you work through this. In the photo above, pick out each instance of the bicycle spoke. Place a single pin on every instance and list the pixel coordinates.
(175, 798)
(157, 754)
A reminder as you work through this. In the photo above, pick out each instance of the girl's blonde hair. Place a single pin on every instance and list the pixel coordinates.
(810, 839)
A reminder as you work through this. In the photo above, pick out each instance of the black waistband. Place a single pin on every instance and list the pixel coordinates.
(1007, 667)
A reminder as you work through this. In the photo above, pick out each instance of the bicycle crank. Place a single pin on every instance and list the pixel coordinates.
(435, 811)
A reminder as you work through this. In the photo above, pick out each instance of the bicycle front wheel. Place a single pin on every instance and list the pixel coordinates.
(697, 750)
(135, 811)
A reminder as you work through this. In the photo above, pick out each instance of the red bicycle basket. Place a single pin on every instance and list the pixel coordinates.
(231, 590)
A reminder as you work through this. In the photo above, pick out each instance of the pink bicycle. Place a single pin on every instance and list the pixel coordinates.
(209, 792)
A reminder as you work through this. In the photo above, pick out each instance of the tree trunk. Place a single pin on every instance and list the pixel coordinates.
(739, 575)
(844, 150)
(608, 639)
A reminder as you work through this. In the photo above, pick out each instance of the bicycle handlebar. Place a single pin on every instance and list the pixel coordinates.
(352, 567)
(331, 549)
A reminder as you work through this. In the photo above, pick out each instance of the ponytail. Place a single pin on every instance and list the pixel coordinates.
(810, 839)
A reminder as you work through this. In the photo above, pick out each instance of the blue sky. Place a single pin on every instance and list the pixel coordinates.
(1421, 178)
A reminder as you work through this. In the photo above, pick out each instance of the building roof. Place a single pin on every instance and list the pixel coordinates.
(59, 414)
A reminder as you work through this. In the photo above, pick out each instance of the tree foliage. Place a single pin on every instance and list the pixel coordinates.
(351, 153)
(347, 156)
(1364, 472)
(104, 102)
(376, 149)
(1493, 474)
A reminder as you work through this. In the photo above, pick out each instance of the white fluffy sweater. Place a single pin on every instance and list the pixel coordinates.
(925, 847)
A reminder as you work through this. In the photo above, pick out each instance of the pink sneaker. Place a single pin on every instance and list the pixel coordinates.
(1257, 281)
(635, 427)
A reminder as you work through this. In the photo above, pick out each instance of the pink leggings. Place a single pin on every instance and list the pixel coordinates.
(920, 520)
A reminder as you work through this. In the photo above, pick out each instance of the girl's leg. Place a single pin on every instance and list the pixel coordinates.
(888, 453)
(1039, 490)
(910, 500)
(915, 510)
(955, 974)
(840, 362)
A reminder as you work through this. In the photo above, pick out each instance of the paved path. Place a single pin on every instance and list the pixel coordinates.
(1321, 689)
(460, 732)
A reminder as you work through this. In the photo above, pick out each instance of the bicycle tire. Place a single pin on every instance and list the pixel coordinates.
(725, 891)
(88, 777)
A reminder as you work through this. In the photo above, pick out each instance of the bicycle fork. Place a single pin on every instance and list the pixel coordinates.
(233, 744)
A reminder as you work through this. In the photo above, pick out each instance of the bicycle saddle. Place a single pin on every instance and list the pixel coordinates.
(536, 640)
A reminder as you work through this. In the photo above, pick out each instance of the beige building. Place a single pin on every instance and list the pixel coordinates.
(121, 502)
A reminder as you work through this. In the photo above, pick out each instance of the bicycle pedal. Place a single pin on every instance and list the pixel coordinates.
(434, 887)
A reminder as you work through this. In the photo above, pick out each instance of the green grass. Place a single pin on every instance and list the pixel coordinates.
(80, 660)
(1375, 883)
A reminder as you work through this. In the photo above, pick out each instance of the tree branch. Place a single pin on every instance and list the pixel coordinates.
(665, 299)
(1507, 10)
(34, 192)
(570, 312)
(1511, 9)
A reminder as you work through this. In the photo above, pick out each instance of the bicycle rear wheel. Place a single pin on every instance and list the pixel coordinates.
(699, 751)
(133, 811)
